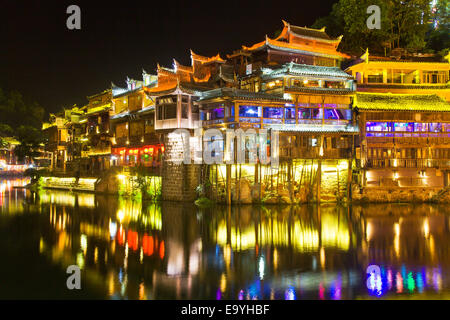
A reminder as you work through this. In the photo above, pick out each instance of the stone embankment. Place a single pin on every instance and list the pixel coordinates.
(399, 195)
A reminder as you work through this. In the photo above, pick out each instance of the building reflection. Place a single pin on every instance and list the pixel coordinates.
(9, 194)
(170, 250)
(400, 240)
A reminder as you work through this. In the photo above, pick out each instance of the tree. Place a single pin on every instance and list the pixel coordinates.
(404, 24)
(5, 131)
(17, 111)
(438, 35)
(30, 139)
(21, 119)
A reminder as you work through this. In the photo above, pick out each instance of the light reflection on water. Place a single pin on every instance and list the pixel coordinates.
(178, 251)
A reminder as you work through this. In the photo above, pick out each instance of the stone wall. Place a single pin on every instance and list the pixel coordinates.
(334, 185)
(179, 181)
(298, 187)
(394, 194)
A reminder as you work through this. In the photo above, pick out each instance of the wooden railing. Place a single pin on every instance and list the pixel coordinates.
(407, 163)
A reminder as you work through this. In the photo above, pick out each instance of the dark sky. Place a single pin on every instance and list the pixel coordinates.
(58, 67)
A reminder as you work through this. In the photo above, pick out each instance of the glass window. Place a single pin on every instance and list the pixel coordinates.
(159, 113)
(217, 113)
(347, 114)
(435, 127)
(375, 77)
(331, 114)
(317, 113)
(378, 126)
(335, 84)
(304, 113)
(338, 114)
(249, 111)
(184, 111)
(274, 113)
(420, 127)
(289, 113)
(170, 111)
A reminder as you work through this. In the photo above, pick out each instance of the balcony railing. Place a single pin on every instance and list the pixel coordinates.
(314, 153)
(435, 138)
(407, 163)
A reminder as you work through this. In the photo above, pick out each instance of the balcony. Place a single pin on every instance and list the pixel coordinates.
(314, 153)
(407, 163)
(424, 139)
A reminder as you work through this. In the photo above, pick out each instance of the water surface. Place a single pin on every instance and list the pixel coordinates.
(127, 250)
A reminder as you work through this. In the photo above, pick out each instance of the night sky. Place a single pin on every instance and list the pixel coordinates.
(58, 67)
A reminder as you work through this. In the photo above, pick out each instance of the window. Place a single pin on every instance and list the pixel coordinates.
(167, 100)
(289, 113)
(435, 127)
(434, 77)
(249, 111)
(378, 126)
(274, 113)
(217, 113)
(376, 76)
(184, 111)
(317, 113)
(121, 130)
(305, 83)
(135, 102)
(304, 113)
(397, 76)
(170, 111)
(159, 112)
(231, 110)
(136, 128)
(338, 114)
(274, 84)
(335, 84)
(149, 125)
(404, 127)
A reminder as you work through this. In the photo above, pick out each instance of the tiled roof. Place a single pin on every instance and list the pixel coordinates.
(240, 94)
(98, 109)
(307, 70)
(311, 33)
(319, 90)
(401, 102)
(185, 87)
(297, 48)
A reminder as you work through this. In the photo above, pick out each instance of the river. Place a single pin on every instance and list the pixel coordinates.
(130, 250)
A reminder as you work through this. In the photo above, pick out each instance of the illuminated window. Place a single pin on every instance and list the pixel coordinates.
(170, 111)
(304, 113)
(289, 113)
(273, 113)
(249, 111)
(217, 113)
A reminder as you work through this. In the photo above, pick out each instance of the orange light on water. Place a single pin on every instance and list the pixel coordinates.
(147, 244)
(161, 250)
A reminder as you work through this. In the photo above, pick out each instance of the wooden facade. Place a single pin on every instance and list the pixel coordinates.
(404, 118)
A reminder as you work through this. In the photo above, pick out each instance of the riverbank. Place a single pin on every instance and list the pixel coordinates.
(245, 194)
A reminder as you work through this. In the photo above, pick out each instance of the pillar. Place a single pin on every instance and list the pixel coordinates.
(228, 182)
(319, 179)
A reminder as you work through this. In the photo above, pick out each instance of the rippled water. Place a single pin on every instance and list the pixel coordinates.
(127, 250)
